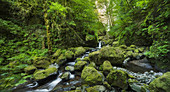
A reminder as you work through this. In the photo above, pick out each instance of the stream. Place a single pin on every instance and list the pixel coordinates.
(54, 83)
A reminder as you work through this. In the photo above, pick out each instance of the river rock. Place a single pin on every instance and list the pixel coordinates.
(79, 51)
(138, 65)
(79, 65)
(69, 68)
(113, 54)
(107, 67)
(30, 69)
(41, 62)
(91, 76)
(118, 78)
(161, 84)
(97, 88)
(65, 76)
(69, 54)
(41, 74)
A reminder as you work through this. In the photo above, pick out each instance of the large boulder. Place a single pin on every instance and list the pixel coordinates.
(42, 74)
(91, 76)
(41, 62)
(118, 78)
(80, 65)
(161, 84)
(69, 68)
(113, 54)
(65, 76)
(30, 69)
(141, 65)
(107, 67)
(79, 51)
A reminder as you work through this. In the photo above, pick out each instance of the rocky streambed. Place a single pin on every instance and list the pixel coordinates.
(102, 69)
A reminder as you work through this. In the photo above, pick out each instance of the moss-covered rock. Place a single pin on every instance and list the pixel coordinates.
(118, 78)
(30, 69)
(132, 46)
(41, 74)
(79, 65)
(123, 46)
(85, 59)
(78, 59)
(97, 88)
(41, 62)
(161, 84)
(69, 68)
(91, 40)
(69, 54)
(94, 56)
(107, 67)
(65, 76)
(115, 44)
(91, 76)
(61, 59)
(92, 64)
(79, 51)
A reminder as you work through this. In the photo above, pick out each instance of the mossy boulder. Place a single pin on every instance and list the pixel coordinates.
(107, 85)
(91, 40)
(30, 69)
(97, 88)
(161, 84)
(107, 67)
(118, 78)
(113, 54)
(69, 54)
(115, 44)
(92, 64)
(42, 74)
(41, 62)
(79, 65)
(69, 68)
(79, 51)
(91, 76)
(61, 59)
(85, 59)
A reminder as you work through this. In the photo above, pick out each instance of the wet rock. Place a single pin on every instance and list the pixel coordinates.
(91, 76)
(118, 78)
(69, 68)
(30, 69)
(80, 65)
(69, 54)
(161, 84)
(107, 67)
(138, 65)
(41, 62)
(42, 74)
(65, 76)
(135, 85)
(79, 51)
(97, 88)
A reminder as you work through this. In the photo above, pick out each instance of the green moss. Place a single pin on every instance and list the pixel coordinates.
(115, 44)
(69, 54)
(94, 56)
(107, 67)
(132, 46)
(161, 84)
(118, 78)
(78, 59)
(79, 51)
(129, 54)
(57, 53)
(61, 59)
(91, 76)
(123, 46)
(30, 69)
(85, 59)
(130, 49)
(92, 64)
(41, 62)
(97, 88)
(107, 85)
(79, 65)
(41, 74)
